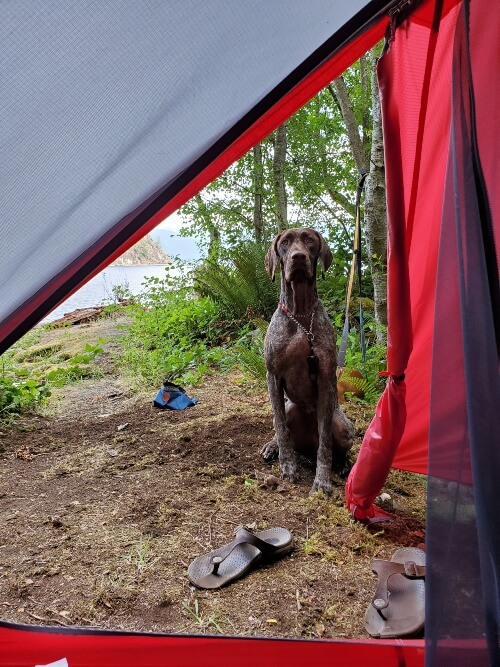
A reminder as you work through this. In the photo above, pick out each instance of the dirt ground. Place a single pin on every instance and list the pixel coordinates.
(105, 500)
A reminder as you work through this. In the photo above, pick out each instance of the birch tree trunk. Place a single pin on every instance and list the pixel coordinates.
(375, 218)
(341, 94)
(279, 178)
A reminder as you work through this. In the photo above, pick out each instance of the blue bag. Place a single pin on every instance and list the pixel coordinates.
(173, 397)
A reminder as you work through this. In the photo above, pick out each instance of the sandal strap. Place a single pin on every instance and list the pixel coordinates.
(244, 536)
(386, 569)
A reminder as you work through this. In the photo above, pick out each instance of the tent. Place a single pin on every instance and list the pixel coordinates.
(115, 113)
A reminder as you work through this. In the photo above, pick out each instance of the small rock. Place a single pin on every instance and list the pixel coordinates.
(56, 522)
(385, 501)
(120, 427)
(113, 452)
(271, 482)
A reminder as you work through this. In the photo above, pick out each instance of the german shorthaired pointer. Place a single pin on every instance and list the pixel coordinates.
(301, 361)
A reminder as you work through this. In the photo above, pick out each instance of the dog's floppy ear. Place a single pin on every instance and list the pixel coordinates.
(325, 255)
(272, 257)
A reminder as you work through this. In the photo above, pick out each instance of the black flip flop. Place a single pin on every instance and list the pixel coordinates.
(398, 606)
(232, 561)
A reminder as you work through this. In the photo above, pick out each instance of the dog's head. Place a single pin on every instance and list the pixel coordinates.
(298, 251)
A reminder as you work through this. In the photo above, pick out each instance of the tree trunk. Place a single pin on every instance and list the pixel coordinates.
(258, 186)
(279, 178)
(355, 141)
(375, 219)
(375, 225)
(213, 231)
(365, 72)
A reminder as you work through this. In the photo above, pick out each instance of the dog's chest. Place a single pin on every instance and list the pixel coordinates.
(289, 356)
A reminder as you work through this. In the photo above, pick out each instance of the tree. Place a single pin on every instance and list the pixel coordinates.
(306, 173)
(369, 158)
(279, 159)
(258, 193)
(376, 210)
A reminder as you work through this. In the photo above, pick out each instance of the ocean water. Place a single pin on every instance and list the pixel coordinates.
(99, 290)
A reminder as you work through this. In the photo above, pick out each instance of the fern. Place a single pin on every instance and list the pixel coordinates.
(249, 353)
(371, 387)
(241, 287)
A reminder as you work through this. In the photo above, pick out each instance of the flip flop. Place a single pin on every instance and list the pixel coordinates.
(398, 606)
(232, 561)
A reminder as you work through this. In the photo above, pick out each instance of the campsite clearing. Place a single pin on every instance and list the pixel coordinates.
(105, 500)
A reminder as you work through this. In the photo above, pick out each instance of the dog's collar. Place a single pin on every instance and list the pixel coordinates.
(312, 359)
(308, 332)
(288, 312)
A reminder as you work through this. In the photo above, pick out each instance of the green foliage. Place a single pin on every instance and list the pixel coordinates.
(370, 386)
(76, 367)
(29, 372)
(248, 353)
(17, 395)
(241, 287)
(38, 352)
(226, 205)
(172, 335)
(121, 293)
(319, 172)
(375, 360)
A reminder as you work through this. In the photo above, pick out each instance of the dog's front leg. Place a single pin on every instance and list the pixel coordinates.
(286, 452)
(322, 480)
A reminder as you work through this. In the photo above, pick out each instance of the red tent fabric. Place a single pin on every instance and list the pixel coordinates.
(30, 646)
(415, 96)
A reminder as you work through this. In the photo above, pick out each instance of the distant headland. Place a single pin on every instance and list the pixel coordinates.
(144, 252)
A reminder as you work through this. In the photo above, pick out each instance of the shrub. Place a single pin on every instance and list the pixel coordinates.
(171, 336)
(16, 395)
(241, 286)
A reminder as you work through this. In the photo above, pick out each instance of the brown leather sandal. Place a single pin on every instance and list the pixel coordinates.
(232, 561)
(398, 607)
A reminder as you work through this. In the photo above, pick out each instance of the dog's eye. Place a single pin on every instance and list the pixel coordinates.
(284, 242)
(310, 240)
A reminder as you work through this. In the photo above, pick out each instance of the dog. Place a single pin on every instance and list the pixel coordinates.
(301, 362)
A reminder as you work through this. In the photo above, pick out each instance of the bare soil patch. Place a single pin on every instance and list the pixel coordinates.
(104, 503)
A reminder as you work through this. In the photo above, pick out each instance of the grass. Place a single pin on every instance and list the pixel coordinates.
(141, 554)
(191, 609)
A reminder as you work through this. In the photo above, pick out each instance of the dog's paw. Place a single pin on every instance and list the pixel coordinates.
(341, 465)
(270, 451)
(289, 470)
(322, 485)
(343, 431)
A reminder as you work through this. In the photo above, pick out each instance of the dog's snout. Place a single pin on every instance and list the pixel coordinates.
(298, 262)
(298, 255)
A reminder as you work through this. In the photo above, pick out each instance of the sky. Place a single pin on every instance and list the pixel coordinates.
(173, 223)
(184, 247)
